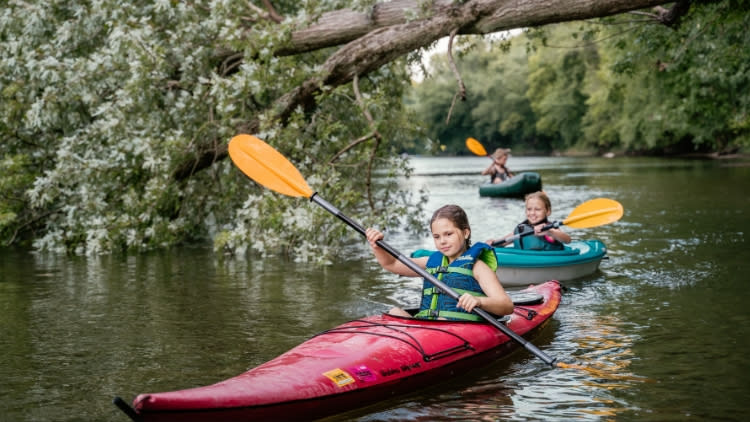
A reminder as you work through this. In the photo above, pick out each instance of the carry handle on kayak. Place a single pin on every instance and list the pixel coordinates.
(268, 167)
(593, 213)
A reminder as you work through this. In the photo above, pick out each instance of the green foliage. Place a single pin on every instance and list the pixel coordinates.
(556, 81)
(102, 102)
(15, 178)
(624, 82)
(496, 109)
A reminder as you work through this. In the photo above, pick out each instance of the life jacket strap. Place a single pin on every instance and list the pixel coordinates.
(435, 291)
(433, 314)
(445, 270)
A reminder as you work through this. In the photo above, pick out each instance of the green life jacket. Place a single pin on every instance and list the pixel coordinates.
(457, 275)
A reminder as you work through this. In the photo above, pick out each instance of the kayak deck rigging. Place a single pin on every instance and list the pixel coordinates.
(404, 337)
(357, 363)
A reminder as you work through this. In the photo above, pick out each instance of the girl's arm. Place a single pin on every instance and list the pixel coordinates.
(560, 235)
(557, 234)
(489, 170)
(388, 261)
(497, 301)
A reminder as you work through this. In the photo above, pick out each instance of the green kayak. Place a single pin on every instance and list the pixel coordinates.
(517, 186)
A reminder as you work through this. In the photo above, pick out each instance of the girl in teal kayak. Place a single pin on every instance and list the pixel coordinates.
(538, 209)
(468, 269)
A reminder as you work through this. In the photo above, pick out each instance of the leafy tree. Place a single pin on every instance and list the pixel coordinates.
(605, 94)
(556, 88)
(629, 83)
(116, 116)
(496, 109)
(675, 89)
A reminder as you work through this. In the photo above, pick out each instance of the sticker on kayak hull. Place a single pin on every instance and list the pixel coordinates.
(339, 377)
(363, 373)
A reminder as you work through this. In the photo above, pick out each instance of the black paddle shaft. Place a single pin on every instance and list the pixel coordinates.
(508, 239)
(439, 284)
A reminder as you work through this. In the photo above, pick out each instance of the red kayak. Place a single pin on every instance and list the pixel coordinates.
(353, 365)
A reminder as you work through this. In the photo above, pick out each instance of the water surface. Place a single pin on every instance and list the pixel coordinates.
(663, 326)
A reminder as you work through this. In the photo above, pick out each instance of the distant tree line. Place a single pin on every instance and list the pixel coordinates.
(622, 83)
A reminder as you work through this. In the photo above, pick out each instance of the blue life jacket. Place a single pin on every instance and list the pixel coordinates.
(534, 242)
(457, 275)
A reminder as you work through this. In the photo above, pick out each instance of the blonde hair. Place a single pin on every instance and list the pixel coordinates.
(500, 153)
(542, 197)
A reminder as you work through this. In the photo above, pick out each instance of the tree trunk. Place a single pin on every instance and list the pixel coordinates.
(345, 25)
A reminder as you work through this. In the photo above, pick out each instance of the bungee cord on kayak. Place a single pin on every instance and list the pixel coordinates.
(402, 329)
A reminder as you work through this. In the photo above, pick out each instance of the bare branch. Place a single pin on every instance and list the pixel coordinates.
(361, 103)
(230, 63)
(461, 93)
(272, 14)
(350, 146)
(669, 17)
(653, 16)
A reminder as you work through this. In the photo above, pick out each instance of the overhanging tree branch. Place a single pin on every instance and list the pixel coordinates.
(670, 17)
(387, 32)
(345, 25)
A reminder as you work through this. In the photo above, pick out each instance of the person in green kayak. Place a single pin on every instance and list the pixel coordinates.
(538, 209)
(468, 269)
(497, 171)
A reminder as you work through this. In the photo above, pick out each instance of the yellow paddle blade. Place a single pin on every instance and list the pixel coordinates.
(595, 212)
(260, 162)
(475, 146)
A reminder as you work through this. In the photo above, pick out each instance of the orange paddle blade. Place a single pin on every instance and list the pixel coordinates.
(475, 146)
(262, 163)
(595, 212)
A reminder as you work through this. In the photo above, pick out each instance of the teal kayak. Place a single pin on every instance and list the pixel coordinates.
(521, 267)
(518, 185)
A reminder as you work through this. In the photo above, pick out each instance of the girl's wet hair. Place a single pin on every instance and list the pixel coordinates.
(541, 196)
(456, 215)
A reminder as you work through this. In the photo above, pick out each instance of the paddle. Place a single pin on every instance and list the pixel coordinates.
(268, 167)
(476, 147)
(593, 213)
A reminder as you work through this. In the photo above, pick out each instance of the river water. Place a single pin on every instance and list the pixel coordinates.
(663, 327)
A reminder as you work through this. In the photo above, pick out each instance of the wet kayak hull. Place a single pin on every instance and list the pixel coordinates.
(517, 186)
(355, 364)
(518, 268)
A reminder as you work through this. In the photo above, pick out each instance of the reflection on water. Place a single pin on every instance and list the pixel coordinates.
(660, 332)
